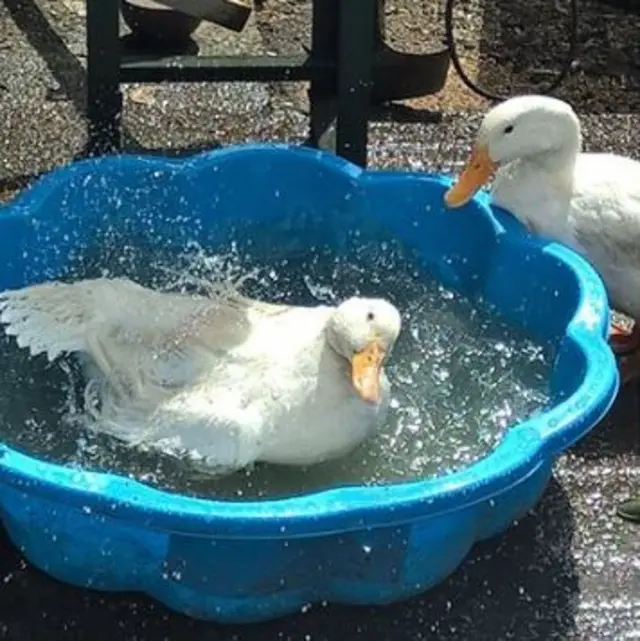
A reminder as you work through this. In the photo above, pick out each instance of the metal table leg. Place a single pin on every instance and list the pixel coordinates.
(324, 46)
(357, 28)
(104, 98)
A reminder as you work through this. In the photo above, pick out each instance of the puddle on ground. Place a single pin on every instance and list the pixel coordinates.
(460, 375)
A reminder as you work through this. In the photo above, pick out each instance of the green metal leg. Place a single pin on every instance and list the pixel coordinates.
(324, 46)
(356, 38)
(104, 99)
(344, 34)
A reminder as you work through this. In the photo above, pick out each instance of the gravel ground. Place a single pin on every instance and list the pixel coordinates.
(42, 58)
(570, 570)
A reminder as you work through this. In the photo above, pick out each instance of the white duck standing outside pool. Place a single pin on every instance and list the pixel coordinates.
(588, 201)
(233, 379)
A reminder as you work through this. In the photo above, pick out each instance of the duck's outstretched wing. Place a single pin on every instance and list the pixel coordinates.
(134, 335)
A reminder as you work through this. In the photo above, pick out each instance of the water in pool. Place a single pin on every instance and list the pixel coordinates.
(460, 375)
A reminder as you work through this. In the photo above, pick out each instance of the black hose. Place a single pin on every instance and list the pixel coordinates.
(564, 72)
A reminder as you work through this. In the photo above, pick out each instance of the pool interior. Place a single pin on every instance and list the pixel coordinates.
(461, 375)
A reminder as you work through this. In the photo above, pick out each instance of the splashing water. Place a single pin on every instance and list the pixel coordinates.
(460, 375)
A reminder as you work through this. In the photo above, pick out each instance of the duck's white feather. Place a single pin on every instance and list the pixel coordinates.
(595, 210)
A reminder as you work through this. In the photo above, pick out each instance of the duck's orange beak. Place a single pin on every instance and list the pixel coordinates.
(478, 170)
(366, 367)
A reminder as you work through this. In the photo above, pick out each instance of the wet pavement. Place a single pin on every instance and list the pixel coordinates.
(570, 570)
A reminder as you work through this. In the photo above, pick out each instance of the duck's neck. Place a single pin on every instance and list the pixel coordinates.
(559, 162)
(538, 190)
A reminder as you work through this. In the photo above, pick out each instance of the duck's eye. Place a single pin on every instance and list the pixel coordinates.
(370, 316)
(508, 129)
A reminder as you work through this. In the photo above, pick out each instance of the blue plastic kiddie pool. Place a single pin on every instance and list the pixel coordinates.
(246, 561)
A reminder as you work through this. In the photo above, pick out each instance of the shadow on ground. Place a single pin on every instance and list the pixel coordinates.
(61, 62)
(524, 45)
(619, 433)
(523, 584)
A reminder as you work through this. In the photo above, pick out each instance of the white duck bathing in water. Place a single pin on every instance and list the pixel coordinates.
(588, 201)
(234, 379)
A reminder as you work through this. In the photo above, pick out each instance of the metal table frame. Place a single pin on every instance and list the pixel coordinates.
(349, 68)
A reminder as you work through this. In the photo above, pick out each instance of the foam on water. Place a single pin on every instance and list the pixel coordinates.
(460, 375)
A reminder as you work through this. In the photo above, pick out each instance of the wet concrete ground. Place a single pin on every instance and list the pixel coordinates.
(570, 570)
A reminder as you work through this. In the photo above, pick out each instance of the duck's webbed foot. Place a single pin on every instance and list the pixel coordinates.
(624, 340)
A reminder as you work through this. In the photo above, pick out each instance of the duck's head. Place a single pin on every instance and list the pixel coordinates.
(522, 127)
(363, 331)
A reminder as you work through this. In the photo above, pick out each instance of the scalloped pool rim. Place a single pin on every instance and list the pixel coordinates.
(524, 449)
